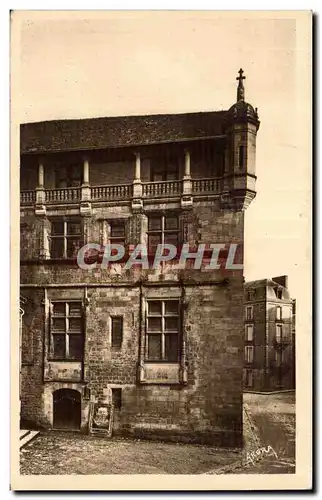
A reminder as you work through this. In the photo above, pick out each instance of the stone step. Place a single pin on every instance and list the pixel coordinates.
(23, 433)
(27, 438)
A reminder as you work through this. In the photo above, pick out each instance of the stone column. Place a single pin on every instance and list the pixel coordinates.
(40, 190)
(85, 206)
(86, 172)
(41, 173)
(187, 164)
(137, 203)
(137, 167)
(186, 197)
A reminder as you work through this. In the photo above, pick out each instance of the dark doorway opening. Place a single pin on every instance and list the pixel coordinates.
(67, 409)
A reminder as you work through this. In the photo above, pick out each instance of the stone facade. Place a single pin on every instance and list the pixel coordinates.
(185, 381)
(269, 349)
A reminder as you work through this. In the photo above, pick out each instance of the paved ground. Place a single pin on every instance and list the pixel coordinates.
(59, 453)
(273, 420)
(269, 422)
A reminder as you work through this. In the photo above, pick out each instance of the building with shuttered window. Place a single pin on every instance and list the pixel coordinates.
(269, 349)
(165, 345)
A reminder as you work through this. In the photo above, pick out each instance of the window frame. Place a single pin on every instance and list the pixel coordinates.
(71, 176)
(112, 318)
(162, 231)
(279, 337)
(163, 332)
(116, 239)
(249, 326)
(249, 372)
(164, 168)
(249, 358)
(279, 315)
(67, 332)
(65, 236)
(279, 357)
(241, 156)
(251, 316)
(251, 294)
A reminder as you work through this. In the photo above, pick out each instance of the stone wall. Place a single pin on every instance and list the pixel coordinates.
(207, 407)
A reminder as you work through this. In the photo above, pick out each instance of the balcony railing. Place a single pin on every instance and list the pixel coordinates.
(280, 342)
(115, 192)
(202, 186)
(27, 197)
(66, 195)
(161, 188)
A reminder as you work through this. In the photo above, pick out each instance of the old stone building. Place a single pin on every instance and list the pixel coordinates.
(163, 345)
(269, 349)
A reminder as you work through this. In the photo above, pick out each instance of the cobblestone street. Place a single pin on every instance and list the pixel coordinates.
(59, 453)
(269, 421)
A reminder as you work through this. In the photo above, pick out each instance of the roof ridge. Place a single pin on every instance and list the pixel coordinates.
(154, 115)
(119, 131)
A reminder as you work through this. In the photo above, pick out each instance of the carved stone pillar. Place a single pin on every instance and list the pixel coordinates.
(186, 196)
(85, 206)
(40, 208)
(137, 203)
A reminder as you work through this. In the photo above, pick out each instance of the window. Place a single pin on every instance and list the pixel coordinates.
(278, 313)
(65, 238)
(249, 354)
(66, 328)
(164, 170)
(250, 295)
(117, 331)
(249, 378)
(249, 333)
(278, 292)
(241, 156)
(279, 357)
(162, 229)
(162, 330)
(87, 393)
(117, 398)
(68, 177)
(249, 313)
(117, 232)
(279, 333)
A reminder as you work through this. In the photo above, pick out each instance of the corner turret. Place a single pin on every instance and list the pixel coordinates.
(241, 128)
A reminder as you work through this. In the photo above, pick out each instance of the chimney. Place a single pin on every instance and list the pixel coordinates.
(281, 280)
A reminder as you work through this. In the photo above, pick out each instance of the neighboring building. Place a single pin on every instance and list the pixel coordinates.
(164, 346)
(294, 340)
(269, 351)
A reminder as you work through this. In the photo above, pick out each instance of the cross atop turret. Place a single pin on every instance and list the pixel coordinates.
(240, 89)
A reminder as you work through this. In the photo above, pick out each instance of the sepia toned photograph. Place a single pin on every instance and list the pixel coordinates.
(161, 214)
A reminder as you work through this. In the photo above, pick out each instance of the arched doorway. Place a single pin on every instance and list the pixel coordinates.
(67, 409)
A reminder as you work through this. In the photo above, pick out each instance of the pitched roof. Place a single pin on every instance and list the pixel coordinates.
(100, 133)
(261, 282)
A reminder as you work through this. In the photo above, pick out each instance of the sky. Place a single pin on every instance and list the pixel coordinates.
(123, 63)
